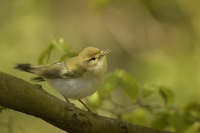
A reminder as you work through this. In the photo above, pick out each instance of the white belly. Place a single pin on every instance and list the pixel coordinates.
(76, 88)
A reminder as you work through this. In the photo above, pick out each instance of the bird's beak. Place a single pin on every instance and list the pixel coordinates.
(104, 53)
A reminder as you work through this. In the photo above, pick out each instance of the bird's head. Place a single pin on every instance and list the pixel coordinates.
(93, 59)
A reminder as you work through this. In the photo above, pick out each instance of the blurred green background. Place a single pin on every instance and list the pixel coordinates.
(156, 41)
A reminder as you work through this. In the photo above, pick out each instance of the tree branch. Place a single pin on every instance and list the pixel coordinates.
(30, 99)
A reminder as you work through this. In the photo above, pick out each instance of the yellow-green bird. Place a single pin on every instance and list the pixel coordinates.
(76, 78)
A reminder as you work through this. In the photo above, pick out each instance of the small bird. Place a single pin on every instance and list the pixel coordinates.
(76, 78)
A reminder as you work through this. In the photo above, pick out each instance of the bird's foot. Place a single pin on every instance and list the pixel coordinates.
(88, 109)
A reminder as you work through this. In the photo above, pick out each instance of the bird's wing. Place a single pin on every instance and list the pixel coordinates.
(50, 71)
(59, 70)
(73, 73)
(69, 69)
(72, 69)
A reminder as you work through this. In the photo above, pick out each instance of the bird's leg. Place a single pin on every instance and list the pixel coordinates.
(85, 105)
(67, 101)
(96, 114)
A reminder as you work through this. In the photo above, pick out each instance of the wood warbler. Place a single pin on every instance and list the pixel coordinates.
(76, 78)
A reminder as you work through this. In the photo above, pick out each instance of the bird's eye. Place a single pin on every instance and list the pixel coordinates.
(93, 58)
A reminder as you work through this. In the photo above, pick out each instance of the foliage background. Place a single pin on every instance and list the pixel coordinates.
(156, 41)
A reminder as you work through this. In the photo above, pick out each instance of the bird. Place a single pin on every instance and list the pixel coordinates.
(75, 78)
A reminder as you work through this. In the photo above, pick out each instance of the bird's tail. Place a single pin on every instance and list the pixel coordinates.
(30, 69)
(25, 67)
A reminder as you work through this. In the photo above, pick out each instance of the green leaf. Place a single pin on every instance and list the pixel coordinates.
(45, 54)
(138, 116)
(167, 95)
(68, 55)
(128, 83)
(161, 121)
(194, 128)
(110, 83)
(149, 89)
(177, 121)
(192, 110)
(94, 101)
(61, 46)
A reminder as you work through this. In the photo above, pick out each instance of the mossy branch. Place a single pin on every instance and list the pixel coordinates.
(30, 99)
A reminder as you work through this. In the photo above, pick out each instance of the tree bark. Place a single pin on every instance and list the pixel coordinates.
(31, 99)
